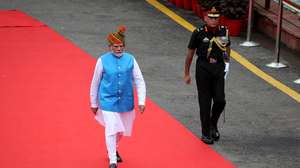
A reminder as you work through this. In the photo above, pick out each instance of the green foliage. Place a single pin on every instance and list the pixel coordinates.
(234, 9)
(207, 4)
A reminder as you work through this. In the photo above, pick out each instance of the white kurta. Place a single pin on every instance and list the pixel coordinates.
(113, 121)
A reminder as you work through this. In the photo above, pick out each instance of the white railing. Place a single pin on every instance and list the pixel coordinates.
(292, 5)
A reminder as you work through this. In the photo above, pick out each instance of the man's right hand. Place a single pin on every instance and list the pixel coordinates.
(187, 79)
(94, 110)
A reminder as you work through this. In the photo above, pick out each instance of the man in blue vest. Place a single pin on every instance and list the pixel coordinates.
(111, 93)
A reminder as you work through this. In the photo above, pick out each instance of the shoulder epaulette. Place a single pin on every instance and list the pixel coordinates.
(199, 29)
(223, 27)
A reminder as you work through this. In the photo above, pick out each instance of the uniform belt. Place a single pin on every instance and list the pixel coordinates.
(204, 59)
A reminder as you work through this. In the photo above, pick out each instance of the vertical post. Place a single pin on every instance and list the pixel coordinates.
(267, 4)
(249, 43)
(277, 64)
(278, 31)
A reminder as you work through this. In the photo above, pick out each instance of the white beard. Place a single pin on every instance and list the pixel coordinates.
(118, 55)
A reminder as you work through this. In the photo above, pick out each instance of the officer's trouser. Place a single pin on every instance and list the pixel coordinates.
(210, 86)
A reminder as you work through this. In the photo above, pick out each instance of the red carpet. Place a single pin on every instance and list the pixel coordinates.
(16, 18)
(45, 119)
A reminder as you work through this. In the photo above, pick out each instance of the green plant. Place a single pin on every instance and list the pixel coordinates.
(207, 4)
(234, 9)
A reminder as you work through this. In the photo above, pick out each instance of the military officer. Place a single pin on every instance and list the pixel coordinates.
(211, 44)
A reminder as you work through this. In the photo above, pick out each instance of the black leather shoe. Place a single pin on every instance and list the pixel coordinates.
(207, 140)
(113, 165)
(119, 159)
(215, 134)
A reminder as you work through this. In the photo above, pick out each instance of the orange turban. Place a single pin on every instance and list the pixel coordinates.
(117, 37)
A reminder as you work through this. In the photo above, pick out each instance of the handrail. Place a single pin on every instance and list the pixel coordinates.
(291, 4)
(275, 13)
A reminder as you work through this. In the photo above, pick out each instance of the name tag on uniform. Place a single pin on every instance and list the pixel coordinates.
(205, 40)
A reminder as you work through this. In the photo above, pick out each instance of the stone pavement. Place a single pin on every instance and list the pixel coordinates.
(262, 127)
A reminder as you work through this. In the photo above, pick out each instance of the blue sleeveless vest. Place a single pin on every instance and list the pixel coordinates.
(116, 86)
